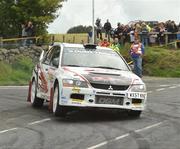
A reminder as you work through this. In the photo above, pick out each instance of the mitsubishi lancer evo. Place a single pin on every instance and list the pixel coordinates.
(80, 76)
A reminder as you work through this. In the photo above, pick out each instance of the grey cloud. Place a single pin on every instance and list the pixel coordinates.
(76, 12)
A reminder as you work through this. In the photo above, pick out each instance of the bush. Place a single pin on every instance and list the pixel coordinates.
(159, 62)
(17, 73)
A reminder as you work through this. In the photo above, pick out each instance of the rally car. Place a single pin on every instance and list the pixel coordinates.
(72, 76)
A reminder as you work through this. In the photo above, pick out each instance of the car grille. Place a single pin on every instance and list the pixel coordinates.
(110, 87)
(109, 100)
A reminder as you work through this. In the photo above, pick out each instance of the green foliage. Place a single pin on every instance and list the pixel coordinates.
(16, 74)
(40, 12)
(79, 29)
(159, 62)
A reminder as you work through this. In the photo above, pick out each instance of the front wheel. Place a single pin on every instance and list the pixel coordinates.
(35, 101)
(57, 109)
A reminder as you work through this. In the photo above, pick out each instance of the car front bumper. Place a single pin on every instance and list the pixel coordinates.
(98, 98)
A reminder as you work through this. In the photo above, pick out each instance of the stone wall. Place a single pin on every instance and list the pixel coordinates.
(10, 55)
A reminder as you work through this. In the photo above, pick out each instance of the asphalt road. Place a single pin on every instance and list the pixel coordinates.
(23, 127)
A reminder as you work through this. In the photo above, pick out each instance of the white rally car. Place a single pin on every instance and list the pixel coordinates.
(72, 76)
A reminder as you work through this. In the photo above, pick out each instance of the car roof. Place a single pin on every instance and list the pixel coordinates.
(72, 45)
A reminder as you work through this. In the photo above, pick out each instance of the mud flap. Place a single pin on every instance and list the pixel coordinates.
(50, 106)
(29, 92)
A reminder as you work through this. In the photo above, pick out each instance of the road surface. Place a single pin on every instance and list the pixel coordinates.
(23, 127)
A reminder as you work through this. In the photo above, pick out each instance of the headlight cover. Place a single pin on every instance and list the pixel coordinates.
(138, 88)
(74, 83)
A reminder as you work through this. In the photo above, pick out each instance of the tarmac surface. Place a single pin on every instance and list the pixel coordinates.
(23, 127)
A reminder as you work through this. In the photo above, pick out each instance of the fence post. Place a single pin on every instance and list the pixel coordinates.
(73, 39)
(52, 39)
(1, 42)
(63, 38)
(166, 38)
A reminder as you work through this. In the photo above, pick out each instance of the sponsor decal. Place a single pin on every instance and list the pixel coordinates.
(64, 100)
(43, 85)
(76, 90)
(76, 101)
(50, 75)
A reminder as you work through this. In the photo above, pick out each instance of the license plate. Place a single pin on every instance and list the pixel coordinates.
(109, 100)
(137, 95)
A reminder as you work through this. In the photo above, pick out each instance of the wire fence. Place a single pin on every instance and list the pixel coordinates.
(81, 38)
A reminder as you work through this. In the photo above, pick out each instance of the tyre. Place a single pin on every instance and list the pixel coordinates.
(135, 114)
(57, 109)
(35, 101)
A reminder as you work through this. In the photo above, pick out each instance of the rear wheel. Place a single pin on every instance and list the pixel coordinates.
(57, 109)
(135, 114)
(35, 101)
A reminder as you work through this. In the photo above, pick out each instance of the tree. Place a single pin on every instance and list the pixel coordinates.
(14, 13)
(80, 29)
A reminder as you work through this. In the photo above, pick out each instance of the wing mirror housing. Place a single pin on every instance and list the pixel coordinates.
(41, 55)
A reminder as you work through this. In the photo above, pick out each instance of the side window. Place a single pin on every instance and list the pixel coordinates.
(54, 61)
(48, 56)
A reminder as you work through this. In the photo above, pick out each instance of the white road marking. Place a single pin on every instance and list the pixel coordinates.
(148, 127)
(173, 87)
(32, 123)
(7, 130)
(13, 87)
(164, 85)
(160, 89)
(125, 135)
(98, 145)
(40, 121)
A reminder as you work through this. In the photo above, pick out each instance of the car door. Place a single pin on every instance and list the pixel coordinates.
(49, 67)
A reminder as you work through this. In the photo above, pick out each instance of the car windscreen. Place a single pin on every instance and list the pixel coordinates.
(96, 58)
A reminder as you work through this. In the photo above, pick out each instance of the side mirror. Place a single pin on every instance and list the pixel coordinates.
(41, 56)
(55, 62)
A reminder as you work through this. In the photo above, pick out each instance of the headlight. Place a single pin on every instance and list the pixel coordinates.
(74, 83)
(138, 88)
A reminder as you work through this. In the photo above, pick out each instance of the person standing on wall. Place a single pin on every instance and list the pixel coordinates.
(107, 28)
(137, 51)
(99, 28)
(24, 34)
(30, 32)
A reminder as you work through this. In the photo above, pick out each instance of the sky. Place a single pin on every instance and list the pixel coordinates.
(79, 12)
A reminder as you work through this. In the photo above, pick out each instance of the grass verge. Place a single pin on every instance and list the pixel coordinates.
(159, 62)
(18, 73)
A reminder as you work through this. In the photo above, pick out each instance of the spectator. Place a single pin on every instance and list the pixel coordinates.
(118, 32)
(172, 28)
(24, 34)
(107, 28)
(30, 32)
(137, 31)
(131, 33)
(136, 52)
(161, 29)
(144, 34)
(104, 43)
(115, 45)
(99, 28)
(125, 37)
